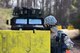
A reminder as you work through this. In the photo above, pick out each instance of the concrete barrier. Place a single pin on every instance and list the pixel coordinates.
(24, 41)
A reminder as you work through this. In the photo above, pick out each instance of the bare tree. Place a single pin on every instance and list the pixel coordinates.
(29, 3)
(5, 3)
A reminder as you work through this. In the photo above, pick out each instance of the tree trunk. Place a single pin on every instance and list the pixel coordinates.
(29, 3)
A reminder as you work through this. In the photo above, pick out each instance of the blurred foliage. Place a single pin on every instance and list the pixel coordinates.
(65, 11)
(76, 22)
(5, 14)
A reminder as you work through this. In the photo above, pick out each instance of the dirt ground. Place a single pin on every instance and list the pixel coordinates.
(76, 48)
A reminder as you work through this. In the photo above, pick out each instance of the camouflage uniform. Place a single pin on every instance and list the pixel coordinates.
(50, 20)
(53, 39)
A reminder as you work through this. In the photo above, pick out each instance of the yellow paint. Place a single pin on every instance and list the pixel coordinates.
(24, 41)
(59, 27)
(70, 27)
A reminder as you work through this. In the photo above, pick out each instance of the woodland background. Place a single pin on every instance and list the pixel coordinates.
(67, 12)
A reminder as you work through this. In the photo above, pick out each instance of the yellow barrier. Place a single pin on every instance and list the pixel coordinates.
(59, 27)
(70, 27)
(24, 42)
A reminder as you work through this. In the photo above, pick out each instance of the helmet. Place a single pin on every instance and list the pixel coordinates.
(50, 20)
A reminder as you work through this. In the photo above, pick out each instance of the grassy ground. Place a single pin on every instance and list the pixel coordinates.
(5, 14)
